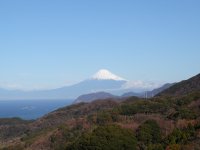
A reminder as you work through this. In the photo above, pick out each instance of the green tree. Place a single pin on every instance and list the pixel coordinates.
(179, 136)
(149, 132)
(103, 118)
(110, 137)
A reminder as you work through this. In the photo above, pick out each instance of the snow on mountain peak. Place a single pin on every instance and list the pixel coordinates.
(104, 74)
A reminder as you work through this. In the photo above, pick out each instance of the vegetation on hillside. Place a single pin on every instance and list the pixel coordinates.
(163, 122)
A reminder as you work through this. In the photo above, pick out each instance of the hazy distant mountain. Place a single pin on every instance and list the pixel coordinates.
(94, 96)
(104, 95)
(129, 94)
(148, 94)
(103, 80)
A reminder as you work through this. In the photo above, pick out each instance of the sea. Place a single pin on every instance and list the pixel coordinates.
(30, 109)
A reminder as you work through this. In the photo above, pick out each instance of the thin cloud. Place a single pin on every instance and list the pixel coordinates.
(141, 85)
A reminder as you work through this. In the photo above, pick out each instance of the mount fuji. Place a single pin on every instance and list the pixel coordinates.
(104, 74)
(103, 80)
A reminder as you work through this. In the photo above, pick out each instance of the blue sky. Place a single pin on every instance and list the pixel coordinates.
(46, 43)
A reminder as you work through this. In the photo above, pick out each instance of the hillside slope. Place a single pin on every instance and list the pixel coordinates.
(132, 123)
(183, 87)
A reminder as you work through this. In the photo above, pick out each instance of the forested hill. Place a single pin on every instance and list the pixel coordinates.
(159, 123)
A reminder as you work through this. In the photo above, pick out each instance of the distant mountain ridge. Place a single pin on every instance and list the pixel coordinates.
(86, 98)
(94, 96)
(103, 80)
(184, 87)
(129, 94)
(158, 90)
(149, 94)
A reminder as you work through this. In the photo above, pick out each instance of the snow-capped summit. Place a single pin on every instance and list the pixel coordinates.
(104, 74)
